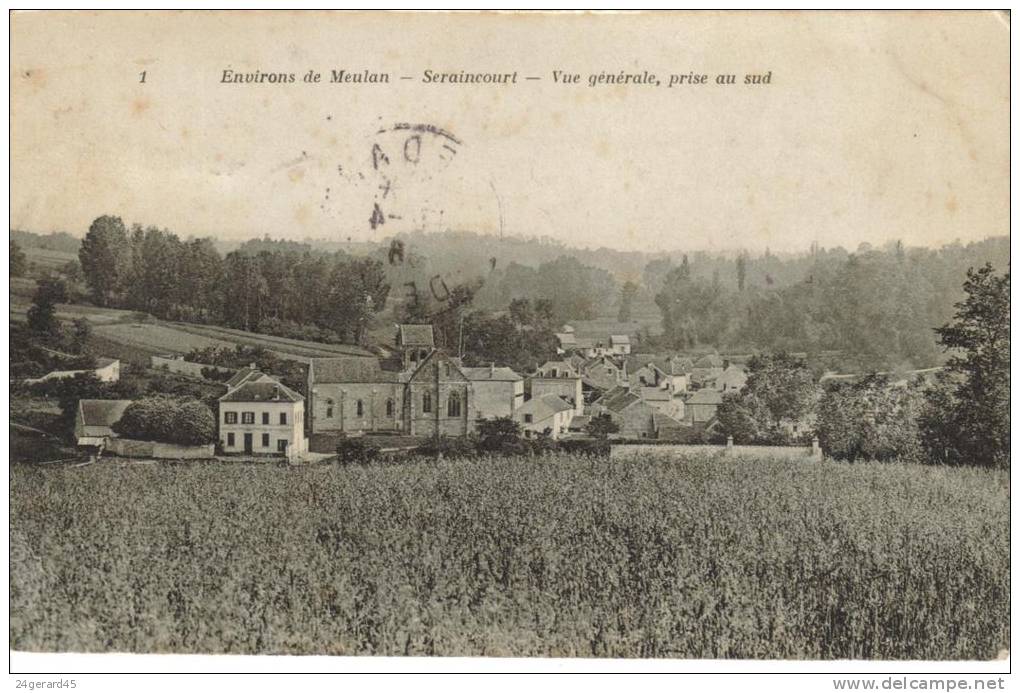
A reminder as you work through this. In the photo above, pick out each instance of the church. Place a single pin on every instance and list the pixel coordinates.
(428, 392)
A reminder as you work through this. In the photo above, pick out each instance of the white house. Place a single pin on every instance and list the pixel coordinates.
(546, 413)
(261, 416)
(619, 344)
(107, 370)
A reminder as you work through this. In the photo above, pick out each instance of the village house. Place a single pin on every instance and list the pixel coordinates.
(669, 372)
(663, 401)
(496, 391)
(733, 379)
(557, 369)
(568, 388)
(261, 416)
(107, 370)
(93, 424)
(619, 344)
(567, 342)
(703, 405)
(628, 411)
(547, 413)
(604, 373)
(707, 369)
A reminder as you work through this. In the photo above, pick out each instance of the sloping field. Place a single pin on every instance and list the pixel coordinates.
(69, 311)
(157, 338)
(280, 345)
(48, 259)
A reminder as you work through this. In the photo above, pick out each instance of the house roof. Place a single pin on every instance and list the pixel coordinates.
(546, 406)
(241, 376)
(664, 422)
(416, 335)
(103, 362)
(619, 339)
(618, 399)
(579, 422)
(491, 373)
(709, 361)
(706, 396)
(265, 391)
(101, 412)
(566, 338)
(561, 365)
(350, 369)
(655, 394)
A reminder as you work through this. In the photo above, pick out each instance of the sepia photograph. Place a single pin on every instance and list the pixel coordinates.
(583, 336)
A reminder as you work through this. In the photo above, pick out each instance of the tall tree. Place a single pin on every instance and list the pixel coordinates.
(18, 261)
(41, 316)
(967, 419)
(627, 294)
(105, 258)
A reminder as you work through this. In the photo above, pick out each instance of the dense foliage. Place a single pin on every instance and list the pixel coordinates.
(871, 420)
(558, 555)
(275, 291)
(18, 261)
(876, 307)
(168, 419)
(780, 393)
(968, 417)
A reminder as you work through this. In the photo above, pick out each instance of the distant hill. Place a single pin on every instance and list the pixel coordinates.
(59, 240)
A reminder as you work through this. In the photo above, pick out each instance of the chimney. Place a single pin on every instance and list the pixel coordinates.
(492, 369)
(251, 365)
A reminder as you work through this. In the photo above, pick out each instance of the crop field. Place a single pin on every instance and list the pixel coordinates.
(157, 338)
(294, 348)
(558, 555)
(47, 259)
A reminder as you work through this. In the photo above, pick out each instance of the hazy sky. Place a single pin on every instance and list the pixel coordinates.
(875, 126)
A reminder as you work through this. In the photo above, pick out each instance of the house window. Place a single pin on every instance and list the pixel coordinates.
(247, 417)
(230, 437)
(446, 370)
(528, 418)
(389, 407)
(555, 373)
(453, 405)
(426, 402)
(329, 409)
(265, 418)
(360, 408)
(283, 418)
(281, 445)
(230, 417)
(265, 440)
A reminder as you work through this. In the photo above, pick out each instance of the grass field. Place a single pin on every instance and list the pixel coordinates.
(550, 556)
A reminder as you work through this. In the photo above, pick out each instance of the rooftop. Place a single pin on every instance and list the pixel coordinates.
(102, 412)
(416, 335)
(490, 373)
(350, 369)
(706, 396)
(267, 391)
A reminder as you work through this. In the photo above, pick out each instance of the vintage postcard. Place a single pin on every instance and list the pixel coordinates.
(618, 335)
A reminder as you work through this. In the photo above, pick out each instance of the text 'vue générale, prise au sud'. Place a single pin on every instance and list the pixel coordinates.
(642, 78)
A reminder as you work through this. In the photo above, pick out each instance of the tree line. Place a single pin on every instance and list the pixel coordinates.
(324, 297)
(876, 306)
(961, 416)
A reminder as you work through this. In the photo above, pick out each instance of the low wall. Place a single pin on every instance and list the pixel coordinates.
(679, 451)
(125, 447)
(181, 367)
